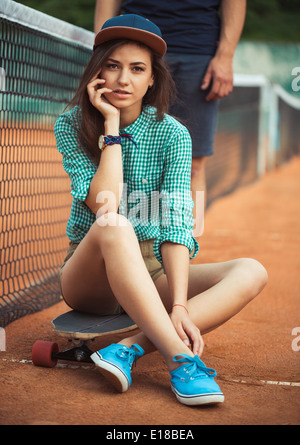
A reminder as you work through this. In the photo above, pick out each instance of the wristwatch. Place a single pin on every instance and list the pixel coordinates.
(104, 141)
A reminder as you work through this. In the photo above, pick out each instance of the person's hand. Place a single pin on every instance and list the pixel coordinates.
(186, 329)
(96, 92)
(219, 74)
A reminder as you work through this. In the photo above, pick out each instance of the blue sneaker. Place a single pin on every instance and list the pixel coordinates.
(115, 363)
(193, 382)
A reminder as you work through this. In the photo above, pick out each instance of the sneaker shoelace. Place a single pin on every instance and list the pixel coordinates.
(129, 355)
(194, 367)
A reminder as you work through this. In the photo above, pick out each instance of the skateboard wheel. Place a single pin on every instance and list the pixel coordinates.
(42, 353)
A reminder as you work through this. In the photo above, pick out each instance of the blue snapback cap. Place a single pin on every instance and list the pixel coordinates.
(132, 27)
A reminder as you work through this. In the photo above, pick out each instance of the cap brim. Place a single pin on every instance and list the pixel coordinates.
(123, 32)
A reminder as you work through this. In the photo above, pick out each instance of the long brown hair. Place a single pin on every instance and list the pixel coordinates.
(91, 121)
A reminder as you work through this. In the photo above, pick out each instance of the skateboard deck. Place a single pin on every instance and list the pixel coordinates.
(79, 328)
(75, 324)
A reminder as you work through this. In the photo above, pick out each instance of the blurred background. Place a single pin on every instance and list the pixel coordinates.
(267, 20)
(266, 46)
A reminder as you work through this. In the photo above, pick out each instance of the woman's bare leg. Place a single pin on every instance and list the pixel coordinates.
(237, 282)
(108, 266)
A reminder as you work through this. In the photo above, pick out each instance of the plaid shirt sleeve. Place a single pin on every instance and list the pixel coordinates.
(75, 162)
(177, 204)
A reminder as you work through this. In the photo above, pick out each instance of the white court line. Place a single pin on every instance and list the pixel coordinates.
(92, 367)
(261, 382)
(59, 365)
(270, 382)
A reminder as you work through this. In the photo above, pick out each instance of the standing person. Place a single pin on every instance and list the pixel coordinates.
(200, 56)
(129, 252)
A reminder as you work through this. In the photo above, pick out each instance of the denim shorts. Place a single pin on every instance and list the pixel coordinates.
(191, 108)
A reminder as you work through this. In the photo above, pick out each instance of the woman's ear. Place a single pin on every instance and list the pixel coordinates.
(151, 82)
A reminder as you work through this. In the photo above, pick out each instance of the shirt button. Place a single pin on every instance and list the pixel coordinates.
(144, 181)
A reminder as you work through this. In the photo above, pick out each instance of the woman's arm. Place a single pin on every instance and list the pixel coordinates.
(176, 243)
(105, 190)
(176, 264)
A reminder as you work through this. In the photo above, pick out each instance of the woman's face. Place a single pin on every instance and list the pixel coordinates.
(128, 72)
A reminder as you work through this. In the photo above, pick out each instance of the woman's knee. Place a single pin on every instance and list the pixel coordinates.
(112, 228)
(252, 275)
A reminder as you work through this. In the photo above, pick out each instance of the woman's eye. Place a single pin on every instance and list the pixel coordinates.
(137, 69)
(112, 66)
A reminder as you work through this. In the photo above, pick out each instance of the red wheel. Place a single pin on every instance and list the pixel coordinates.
(42, 353)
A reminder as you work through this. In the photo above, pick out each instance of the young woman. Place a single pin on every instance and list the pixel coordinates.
(131, 223)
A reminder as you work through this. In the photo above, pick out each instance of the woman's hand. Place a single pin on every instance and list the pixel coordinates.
(99, 101)
(186, 329)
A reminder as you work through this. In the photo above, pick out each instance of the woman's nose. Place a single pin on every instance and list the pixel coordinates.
(124, 78)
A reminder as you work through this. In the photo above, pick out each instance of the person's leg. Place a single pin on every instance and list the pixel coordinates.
(236, 283)
(216, 293)
(107, 268)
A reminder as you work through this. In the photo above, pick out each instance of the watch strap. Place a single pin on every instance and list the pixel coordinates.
(104, 141)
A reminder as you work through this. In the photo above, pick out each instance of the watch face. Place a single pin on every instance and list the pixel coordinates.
(101, 142)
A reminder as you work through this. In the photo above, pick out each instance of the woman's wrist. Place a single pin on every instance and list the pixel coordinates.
(181, 306)
(111, 126)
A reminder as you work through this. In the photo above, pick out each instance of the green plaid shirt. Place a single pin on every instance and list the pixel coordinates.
(156, 173)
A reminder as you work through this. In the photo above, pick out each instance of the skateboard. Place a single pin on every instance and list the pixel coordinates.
(78, 328)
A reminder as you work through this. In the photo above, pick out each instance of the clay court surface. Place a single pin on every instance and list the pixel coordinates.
(256, 354)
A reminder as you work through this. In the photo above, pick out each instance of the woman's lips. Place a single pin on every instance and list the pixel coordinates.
(121, 93)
